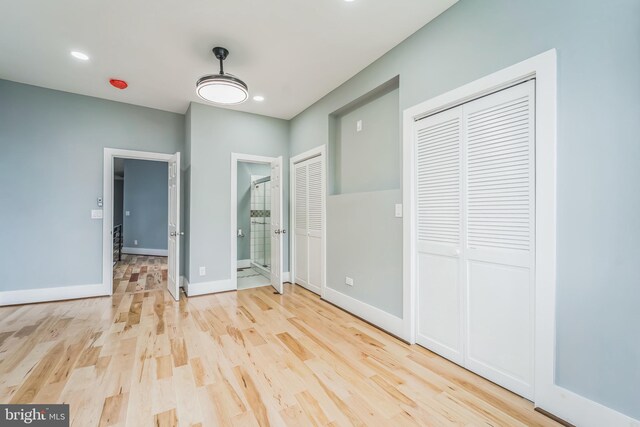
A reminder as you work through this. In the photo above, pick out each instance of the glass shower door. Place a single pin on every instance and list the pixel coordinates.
(261, 223)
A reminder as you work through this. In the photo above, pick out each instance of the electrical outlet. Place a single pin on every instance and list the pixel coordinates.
(348, 281)
(127, 213)
(203, 271)
(135, 243)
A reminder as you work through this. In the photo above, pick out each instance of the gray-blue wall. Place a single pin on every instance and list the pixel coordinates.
(215, 134)
(146, 199)
(598, 295)
(51, 151)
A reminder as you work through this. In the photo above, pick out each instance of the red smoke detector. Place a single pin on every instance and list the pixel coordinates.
(119, 84)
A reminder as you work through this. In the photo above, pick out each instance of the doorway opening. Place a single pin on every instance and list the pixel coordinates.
(141, 221)
(256, 222)
(140, 225)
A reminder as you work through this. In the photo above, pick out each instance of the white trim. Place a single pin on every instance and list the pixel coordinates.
(107, 196)
(29, 296)
(235, 158)
(390, 323)
(547, 395)
(286, 276)
(312, 288)
(320, 151)
(145, 251)
(183, 282)
(203, 288)
(244, 263)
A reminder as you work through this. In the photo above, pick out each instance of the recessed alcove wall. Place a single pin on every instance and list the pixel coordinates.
(364, 237)
(364, 142)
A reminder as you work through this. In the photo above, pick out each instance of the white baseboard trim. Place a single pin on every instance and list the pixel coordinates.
(578, 410)
(307, 286)
(203, 288)
(244, 263)
(145, 251)
(390, 323)
(30, 296)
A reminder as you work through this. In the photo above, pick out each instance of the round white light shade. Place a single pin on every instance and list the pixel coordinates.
(222, 89)
(80, 55)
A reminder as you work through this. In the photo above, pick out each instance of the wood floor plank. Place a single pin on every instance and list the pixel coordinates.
(246, 358)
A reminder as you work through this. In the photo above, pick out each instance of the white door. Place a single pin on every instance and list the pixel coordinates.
(315, 203)
(173, 273)
(301, 246)
(309, 200)
(277, 232)
(500, 221)
(439, 243)
(476, 211)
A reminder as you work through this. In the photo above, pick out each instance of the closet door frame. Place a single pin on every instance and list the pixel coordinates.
(320, 151)
(543, 68)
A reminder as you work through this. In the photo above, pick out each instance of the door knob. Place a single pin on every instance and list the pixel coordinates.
(276, 231)
(283, 231)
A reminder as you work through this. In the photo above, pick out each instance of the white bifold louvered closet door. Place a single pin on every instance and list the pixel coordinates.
(308, 235)
(475, 201)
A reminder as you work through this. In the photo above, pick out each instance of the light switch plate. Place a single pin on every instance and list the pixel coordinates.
(358, 125)
(127, 213)
(96, 213)
(398, 210)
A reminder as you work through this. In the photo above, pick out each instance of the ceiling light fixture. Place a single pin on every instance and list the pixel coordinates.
(222, 88)
(258, 98)
(80, 55)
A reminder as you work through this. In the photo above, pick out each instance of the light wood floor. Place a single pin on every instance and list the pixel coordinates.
(238, 358)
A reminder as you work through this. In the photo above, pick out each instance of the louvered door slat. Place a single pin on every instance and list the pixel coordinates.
(498, 160)
(315, 194)
(301, 196)
(438, 177)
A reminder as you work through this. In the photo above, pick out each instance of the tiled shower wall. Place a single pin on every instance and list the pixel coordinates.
(261, 224)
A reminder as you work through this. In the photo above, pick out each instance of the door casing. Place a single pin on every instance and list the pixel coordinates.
(107, 200)
(247, 158)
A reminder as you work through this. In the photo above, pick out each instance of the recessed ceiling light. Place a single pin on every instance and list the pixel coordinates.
(80, 55)
(258, 98)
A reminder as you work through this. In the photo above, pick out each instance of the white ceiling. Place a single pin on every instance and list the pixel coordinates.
(292, 52)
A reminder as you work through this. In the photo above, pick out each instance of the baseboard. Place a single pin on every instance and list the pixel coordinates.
(244, 263)
(380, 318)
(145, 251)
(30, 296)
(315, 289)
(203, 288)
(578, 410)
(286, 277)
